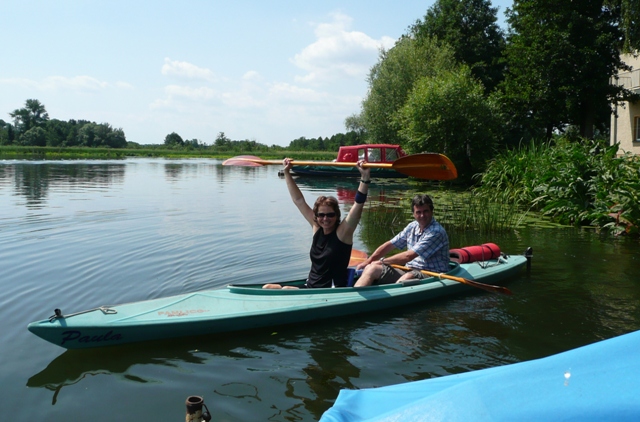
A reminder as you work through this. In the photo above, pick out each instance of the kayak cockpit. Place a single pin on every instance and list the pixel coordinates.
(256, 289)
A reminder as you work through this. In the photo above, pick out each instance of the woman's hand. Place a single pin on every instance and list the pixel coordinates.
(287, 164)
(365, 172)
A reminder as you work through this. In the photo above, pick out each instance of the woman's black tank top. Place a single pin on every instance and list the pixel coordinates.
(329, 260)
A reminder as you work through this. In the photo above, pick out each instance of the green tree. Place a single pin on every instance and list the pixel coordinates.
(222, 142)
(4, 133)
(299, 144)
(116, 137)
(57, 132)
(36, 136)
(173, 140)
(73, 127)
(470, 28)
(629, 23)
(355, 123)
(31, 115)
(194, 144)
(392, 78)
(450, 114)
(88, 135)
(560, 57)
(101, 135)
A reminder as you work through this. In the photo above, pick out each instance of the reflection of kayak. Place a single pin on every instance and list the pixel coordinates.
(241, 307)
(598, 382)
(343, 172)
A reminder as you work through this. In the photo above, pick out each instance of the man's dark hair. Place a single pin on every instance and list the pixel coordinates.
(420, 200)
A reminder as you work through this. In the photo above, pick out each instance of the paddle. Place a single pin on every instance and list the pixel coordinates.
(487, 287)
(422, 166)
(360, 256)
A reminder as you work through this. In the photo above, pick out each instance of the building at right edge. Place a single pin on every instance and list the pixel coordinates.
(625, 128)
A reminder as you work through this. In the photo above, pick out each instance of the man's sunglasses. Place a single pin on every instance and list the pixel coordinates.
(328, 214)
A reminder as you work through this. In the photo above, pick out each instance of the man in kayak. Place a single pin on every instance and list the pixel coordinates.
(427, 246)
(332, 238)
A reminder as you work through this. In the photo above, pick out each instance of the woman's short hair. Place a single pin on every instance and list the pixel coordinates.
(329, 201)
(420, 200)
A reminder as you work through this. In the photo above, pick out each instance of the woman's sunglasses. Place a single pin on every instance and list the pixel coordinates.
(328, 214)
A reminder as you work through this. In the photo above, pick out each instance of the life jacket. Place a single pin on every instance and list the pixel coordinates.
(483, 252)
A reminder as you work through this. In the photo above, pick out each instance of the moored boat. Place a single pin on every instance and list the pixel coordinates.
(385, 162)
(372, 153)
(245, 306)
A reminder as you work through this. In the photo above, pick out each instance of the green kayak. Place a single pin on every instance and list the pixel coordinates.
(242, 307)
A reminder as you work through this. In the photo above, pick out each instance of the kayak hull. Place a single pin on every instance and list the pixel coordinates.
(243, 307)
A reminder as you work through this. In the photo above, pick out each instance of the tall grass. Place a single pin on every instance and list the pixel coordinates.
(470, 212)
(460, 213)
(579, 183)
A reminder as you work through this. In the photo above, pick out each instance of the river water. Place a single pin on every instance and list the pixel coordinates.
(79, 234)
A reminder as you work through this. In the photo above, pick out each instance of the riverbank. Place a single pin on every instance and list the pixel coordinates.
(75, 153)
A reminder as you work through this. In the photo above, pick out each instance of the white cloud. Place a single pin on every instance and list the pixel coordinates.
(242, 100)
(60, 83)
(177, 93)
(186, 70)
(293, 93)
(339, 52)
(196, 94)
(252, 75)
(124, 85)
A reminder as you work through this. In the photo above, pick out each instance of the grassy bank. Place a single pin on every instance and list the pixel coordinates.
(75, 153)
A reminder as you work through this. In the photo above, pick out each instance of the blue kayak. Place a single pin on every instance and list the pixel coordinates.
(243, 307)
(598, 382)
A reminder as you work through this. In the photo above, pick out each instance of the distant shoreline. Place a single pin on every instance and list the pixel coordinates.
(57, 153)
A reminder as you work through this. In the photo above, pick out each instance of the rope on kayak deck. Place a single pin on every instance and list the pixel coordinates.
(486, 264)
(57, 313)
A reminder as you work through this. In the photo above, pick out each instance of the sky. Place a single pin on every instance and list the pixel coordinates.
(267, 71)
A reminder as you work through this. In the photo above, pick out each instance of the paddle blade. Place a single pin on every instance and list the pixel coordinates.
(244, 161)
(357, 257)
(426, 166)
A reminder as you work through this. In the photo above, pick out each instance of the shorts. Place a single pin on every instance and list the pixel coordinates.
(390, 275)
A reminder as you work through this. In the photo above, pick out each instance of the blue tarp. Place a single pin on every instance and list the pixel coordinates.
(598, 382)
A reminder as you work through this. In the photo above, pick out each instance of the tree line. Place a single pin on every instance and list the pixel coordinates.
(32, 127)
(223, 143)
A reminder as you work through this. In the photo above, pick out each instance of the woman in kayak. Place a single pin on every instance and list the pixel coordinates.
(332, 238)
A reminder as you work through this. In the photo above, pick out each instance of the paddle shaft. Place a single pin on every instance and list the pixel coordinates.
(487, 287)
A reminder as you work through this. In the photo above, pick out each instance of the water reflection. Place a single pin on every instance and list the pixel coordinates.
(388, 190)
(173, 171)
(33, 180)
(328, 370)
(73, 366)
(224, 361)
